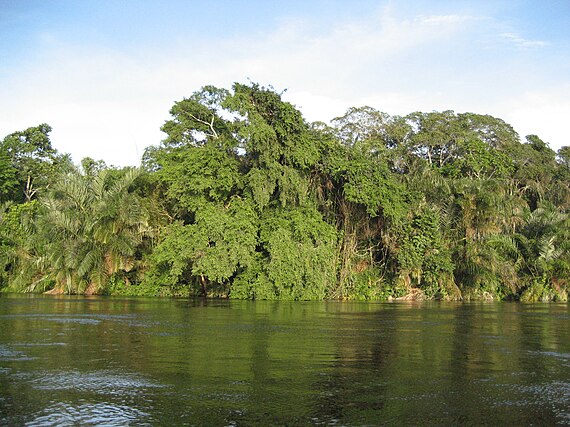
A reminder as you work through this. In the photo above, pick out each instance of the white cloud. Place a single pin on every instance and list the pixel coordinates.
(110, 104)
(544, 113)
(445, 19)
(523, 43)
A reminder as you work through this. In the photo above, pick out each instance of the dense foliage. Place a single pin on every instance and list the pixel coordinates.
(245, 199)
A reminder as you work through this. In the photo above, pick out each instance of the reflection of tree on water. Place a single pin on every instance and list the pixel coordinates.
(284, 340)
(261, 375)
(213, 362)
(352, 389)
(540, 333)
(480, 359)
(492, 364)
(461, 386)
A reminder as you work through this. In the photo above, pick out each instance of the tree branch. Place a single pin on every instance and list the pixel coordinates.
(209, 124)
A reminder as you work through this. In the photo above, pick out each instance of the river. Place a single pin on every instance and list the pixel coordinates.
(123, 361)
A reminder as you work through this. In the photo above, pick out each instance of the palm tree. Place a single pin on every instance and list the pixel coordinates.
(486, 214)
(543, 242)
(94, 225)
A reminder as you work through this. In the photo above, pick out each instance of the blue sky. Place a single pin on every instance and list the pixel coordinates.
(104, 74)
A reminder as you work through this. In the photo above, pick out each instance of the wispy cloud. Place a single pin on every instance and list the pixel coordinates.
(109, 103)
(521, 42)
(446, 19)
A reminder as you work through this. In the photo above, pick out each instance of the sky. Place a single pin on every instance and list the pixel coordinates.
(105, 73)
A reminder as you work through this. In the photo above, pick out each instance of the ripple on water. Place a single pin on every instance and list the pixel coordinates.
(40, 344)
(554, 394)
(62, 414)
(103, 382)
(59, 319)
(9, 355)
(557, 395)
(131, 320)
(77, 320)
(563, 358)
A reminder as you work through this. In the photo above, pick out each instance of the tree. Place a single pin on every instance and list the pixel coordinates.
(91, 227)
(225, 180)
(563, 156)
(33, 159)
(535, 168)
(484, 216)
(207, 254)
(463, 145)
(424, 260)
(20, 244)
(245, 199)
(543, 244)
(8, 176)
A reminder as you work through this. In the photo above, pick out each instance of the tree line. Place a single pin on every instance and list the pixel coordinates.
(246, 199)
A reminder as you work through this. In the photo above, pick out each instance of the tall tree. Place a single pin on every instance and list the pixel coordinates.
(33, 159)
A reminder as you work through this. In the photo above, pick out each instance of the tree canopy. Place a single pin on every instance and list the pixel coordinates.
(246, 199)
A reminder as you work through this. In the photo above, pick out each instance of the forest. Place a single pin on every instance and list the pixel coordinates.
(246, 199)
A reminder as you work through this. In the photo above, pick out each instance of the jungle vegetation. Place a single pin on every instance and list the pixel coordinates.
(246, 199)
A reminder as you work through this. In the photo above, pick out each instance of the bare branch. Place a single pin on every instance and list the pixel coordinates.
(210, 124)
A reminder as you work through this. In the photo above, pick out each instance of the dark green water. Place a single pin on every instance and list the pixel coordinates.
(111, 361)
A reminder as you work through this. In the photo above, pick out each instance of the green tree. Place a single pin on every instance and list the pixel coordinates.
(563, 156)
(34, 160)
(223, 179)
(301, 249)
(91, 227)
(20, 244)
(245, 199)
(543, 243)
(463, 145)
(535, 169)
(207, 254)
(8, 177)
(424, 259)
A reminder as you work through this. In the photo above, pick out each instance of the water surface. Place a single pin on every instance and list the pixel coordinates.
(121, 361)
